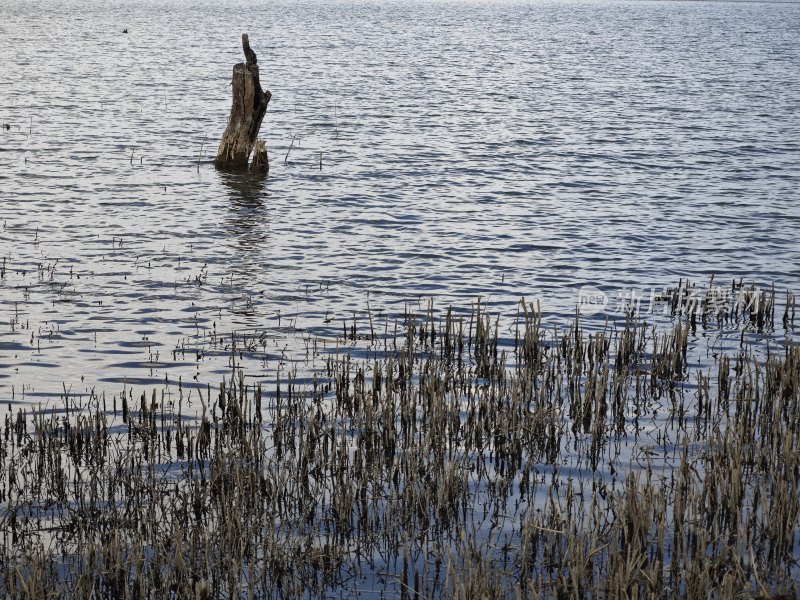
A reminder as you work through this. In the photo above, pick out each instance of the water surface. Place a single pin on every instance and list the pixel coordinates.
(445, 150)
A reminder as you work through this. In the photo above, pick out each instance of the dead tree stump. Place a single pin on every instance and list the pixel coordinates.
(247, 112)
(260, 162)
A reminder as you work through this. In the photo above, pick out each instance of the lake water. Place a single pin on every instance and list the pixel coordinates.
(441, 150)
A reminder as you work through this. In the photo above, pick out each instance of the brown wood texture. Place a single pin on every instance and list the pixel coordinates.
(247, 113)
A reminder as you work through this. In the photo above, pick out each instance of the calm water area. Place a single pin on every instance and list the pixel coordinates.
(419, 150)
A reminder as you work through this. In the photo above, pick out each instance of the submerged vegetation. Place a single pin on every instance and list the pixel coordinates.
(449, 462)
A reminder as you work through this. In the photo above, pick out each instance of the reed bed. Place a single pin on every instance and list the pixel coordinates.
(450, 463)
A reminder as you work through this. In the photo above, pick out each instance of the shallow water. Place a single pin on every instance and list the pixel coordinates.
(445, 150)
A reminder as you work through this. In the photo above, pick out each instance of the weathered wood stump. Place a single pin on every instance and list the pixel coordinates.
(247, 112)
(260, 163)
